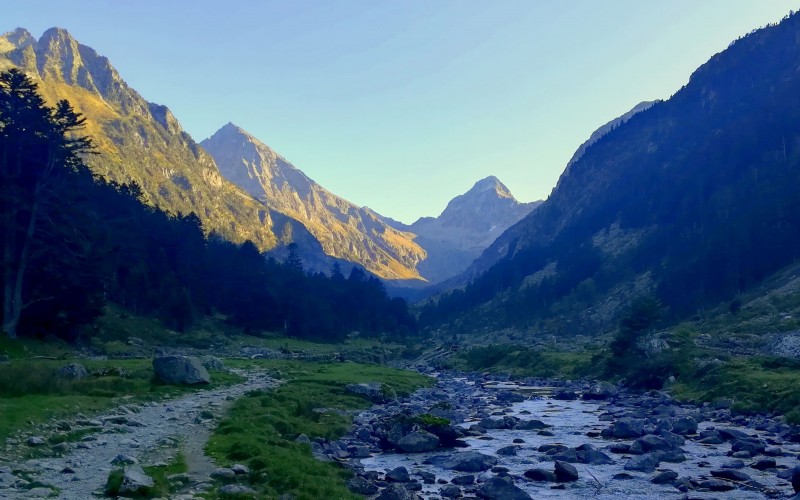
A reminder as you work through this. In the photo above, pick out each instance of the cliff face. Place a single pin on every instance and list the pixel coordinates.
(344, 230)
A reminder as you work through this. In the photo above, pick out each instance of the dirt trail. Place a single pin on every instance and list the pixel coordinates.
(152, 433)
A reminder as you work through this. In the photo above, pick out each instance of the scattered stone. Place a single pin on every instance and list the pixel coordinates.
(626, 428)
(731, 474)
(450, 491)
(644, 463)
(463, 480)
(764, 464)
(223, 474)
(497, 488)
(530, 425)
(361, 486)
(540, 475)
(418, 442)
(180, 370)
(600, 391)
(35, 441)
(684, 425)
(471, 461)
(373, 391)
(664, 477)
(72, 371)
(124, 460)
(715, 485)
(240, 469)
(236, 490)
(565, 472)
(507, 451)
(565, 395)
(398, 475)
(135, 481)
(395, 492)
(213, 363)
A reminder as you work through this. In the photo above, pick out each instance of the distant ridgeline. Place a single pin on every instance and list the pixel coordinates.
(73, 242)
(692, 200)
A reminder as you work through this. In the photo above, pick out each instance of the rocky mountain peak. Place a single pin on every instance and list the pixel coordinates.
(17, 39)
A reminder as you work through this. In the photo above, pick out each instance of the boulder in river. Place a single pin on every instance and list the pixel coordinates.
(565, 472)
(180, 370)
(398, 475)
(644, 463)
(600, 391)
(361, 486)
(540, 475)
(418, 442)
(470, 461)
(498, 488)
(684, 425)
(395, 492)
(626, 428)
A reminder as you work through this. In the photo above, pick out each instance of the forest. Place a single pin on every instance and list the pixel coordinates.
(73, 242)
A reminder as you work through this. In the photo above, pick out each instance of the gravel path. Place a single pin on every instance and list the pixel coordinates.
(150, 433)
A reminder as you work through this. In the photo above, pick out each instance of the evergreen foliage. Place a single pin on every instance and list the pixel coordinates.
(71, 242)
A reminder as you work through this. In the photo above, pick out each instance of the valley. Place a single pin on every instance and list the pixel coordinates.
(193, 319)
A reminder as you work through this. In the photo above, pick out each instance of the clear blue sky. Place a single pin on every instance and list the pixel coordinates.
(401, 105)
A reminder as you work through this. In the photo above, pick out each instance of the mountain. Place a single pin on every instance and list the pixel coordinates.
(606, 128)
(692, 200)
(468, 225)
(343, 229)
(139, 141)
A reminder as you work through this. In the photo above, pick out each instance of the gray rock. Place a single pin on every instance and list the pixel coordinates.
(135, 481)
(664, 477)
(240, 469)
(715, 485)
(398, 475)
(463, 480)
(418, 442)
(180, 370)
(361, 486)
(795, 478)
(223, 474)
(35, 441)
(72, 371)
(373, 391)
(395, 492)
(565, 395)
(507, 451)
(530, 425)
(124, 460)
(497, 488)
(733, 475)
(752, 446)
(684, 425)
(540, 475)
(586, 454)
(213, 363)
(471, 461)
(644, 463)
(450, 491)
(600, 391)
(237, 490)
(626, 428)
(565, 472)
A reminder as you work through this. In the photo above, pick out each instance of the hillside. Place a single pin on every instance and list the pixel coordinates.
(343, 230)
(138, 141)
(692, 200)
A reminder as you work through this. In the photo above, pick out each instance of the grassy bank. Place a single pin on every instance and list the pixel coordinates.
(521, 361)
(30, 391)
(261, 428)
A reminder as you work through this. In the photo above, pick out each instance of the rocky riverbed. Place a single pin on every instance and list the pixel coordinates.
(146, 434)
(477, 436)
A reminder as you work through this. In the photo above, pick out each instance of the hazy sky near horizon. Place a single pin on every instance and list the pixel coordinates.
(401, 105)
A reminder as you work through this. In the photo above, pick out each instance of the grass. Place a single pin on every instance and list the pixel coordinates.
(261, 428)
(31, 393)
(523, 361)
(753, 384)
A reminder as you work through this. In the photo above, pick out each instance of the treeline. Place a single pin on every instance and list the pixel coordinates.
(72, 242)
(697, 196)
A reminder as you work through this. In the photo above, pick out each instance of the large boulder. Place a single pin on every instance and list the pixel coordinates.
(180, 370)
(471, 461)
(418, 442)
(565, 472)
(600, 391)
(684, 425)
(626, 428)
(373, 391)
(497, 488)
(72, 371)
(135, 481)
